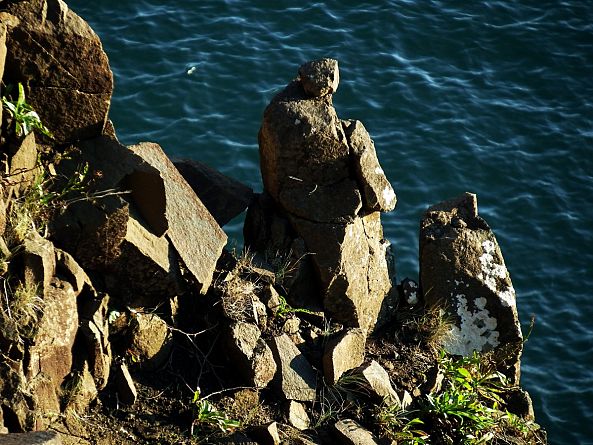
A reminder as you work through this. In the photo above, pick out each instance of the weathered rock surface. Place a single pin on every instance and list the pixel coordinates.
(267, 434)
(349, 432)
(252, 355)
(61, 59)
(23, 163)
(193, 232)
(296, 377)
(462, 270)
(351, 263)
(320, 77)
(2, 55)
(150, 340)
(330, 187)
(223, 196)
(377, 193)
(343, 353)
(378, 382)
(32, 438)
(297, 416)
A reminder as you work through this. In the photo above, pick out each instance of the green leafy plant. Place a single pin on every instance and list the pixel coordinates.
(400, 425)
(208, 418)
(284, 309)
(25, 118)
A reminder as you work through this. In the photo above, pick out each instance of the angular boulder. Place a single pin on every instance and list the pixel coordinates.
(60, 58)
(192, 230)
(349, 432)
(251, 354)
(378, 383)
(343, 353)
(463, 272)
(297, 380)
(150, 340)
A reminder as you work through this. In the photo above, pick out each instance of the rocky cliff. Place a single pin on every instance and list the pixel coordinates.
(123, 319)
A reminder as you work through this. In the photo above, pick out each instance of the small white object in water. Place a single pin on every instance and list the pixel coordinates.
(191, 70)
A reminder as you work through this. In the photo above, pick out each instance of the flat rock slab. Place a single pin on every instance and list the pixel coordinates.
(296, 378)
(194, 233)
(349, 432)
(378, 382)
(34, 438)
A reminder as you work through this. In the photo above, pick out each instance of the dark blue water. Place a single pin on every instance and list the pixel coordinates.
(493, 97)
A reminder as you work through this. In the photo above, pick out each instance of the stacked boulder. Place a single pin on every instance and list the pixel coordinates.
(324, 191)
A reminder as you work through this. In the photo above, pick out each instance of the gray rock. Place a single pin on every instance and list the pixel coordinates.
(193, 232)
(378, 382)
(297, 416)
(60, 58)
(463, 272)
(349, 432)
(32, 438)
(125, 387)
(342, 353)
(251, 354)
(320, 77)
(377, 193)
(297, 380)
(224, 197)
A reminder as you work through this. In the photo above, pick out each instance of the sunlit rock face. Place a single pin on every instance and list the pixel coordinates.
(462, 271)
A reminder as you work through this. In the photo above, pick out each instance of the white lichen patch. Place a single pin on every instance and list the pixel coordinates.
(492, 272)
(379, 171)
(476, 330)
(412, 297)
(388, 195)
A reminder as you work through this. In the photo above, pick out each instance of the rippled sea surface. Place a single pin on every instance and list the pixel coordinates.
(492, 97)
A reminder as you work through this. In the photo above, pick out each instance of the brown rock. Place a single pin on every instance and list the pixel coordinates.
(377, 193)
(351, 262)
(79, 391)
(150, 340)
(224, 197)
(320, 77)
(342, 353)
(23, 165)
(60, 58)
(193, 232)
(462, 270)
(39, 261)
(301, 141)
(33, 438)
(349, 432)
(2, 55)
(51, 349)
(296, 378)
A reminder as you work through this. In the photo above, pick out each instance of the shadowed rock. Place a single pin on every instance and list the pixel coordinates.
(296, 377)
(224, 197)
(462, 271)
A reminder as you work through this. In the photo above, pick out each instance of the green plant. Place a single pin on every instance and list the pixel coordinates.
(400, 426)
(284, 309)
(31, 211)
(208, 418)
(25, 118)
